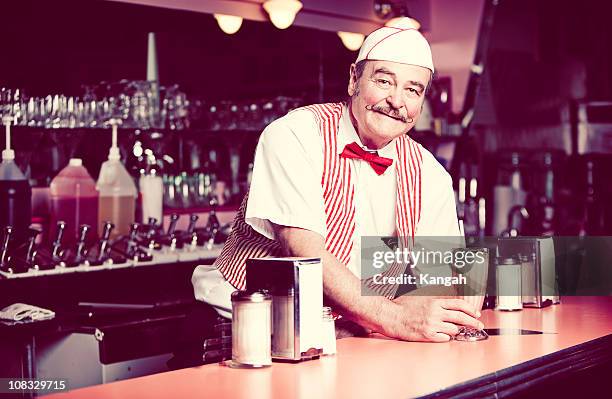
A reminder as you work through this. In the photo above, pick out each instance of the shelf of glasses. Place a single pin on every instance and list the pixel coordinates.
(191, 130)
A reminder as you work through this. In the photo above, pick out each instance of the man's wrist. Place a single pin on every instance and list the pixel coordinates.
(385, 314)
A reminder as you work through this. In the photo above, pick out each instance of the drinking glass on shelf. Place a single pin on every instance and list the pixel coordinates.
(70, 115)
(6, 104)
(212, 117)
(25, 116)
(139, 97)
(268, 112)
(19, 107)
(170, 197)
(13, 102)
(175, 108)
(182, 189)
(182, 110)
(38, 116)
(255, 117)
(87, 107)
(81, 113)
(102, 112)
(31, 111)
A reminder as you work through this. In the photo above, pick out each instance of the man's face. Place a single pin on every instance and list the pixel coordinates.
(387, 100)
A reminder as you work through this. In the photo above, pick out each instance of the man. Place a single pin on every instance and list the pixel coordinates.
(327, 174)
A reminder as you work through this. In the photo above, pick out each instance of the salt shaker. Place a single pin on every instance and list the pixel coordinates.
(528, 279)
(508, 282)
(328, 332)
(251, 329)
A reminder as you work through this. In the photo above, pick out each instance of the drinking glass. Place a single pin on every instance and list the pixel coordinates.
(475, 270)
(139, 98)
(6, 103)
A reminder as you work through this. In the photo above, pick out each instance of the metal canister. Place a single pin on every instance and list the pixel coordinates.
(283, 324)
(528, 280)
(251, 329)
(508, 278)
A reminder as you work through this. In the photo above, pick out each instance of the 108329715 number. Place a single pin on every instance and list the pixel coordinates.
(8, 385)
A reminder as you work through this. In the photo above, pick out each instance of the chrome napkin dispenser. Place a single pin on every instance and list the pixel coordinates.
(296, 285)
(539, 277)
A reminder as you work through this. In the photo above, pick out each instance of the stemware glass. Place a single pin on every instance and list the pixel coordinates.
(137, 95)
(476, 271)
(6, 104)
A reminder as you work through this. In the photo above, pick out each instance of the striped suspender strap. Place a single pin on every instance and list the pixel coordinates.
(338, 189)
(407, 209)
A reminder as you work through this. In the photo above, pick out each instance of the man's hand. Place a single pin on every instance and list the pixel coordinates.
(432, 319)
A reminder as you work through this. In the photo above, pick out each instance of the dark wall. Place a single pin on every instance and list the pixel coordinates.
(544, 53)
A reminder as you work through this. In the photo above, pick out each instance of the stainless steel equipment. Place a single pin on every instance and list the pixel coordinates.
(538, 268)
(296, 285)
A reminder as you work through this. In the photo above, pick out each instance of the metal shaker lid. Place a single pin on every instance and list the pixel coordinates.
(508, 261)
(282, 291)
(251, 296)
(527, 257)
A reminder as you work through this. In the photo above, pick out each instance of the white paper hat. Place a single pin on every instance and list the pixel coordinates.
(396, 44)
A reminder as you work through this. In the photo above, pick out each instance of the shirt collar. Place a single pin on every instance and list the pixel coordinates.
(347, 134)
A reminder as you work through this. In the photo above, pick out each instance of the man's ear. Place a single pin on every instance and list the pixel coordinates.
(352, 86)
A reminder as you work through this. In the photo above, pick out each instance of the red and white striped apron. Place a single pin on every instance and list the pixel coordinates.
(338, 195)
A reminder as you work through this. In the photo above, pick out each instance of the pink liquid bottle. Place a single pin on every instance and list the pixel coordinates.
(74, 200)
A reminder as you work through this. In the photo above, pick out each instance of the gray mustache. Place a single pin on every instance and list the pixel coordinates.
(389, 112)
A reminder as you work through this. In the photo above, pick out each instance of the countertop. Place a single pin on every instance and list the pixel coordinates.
(578, 334)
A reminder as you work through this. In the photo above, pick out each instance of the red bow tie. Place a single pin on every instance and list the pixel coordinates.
(379, 164)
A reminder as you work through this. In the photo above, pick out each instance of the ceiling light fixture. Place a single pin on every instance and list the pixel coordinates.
(228, 23)
(351, 41)
(282, 12)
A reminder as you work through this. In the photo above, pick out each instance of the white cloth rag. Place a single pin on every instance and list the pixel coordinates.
(21, 311)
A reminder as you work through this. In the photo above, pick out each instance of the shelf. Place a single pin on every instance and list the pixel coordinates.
(200, 209)
(98, 130)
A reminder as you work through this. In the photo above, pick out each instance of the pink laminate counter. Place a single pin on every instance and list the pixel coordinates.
(578, 336)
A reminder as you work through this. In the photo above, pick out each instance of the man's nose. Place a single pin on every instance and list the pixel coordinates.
(394, 99)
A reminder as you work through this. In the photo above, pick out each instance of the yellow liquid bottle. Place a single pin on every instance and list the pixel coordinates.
(118, 195)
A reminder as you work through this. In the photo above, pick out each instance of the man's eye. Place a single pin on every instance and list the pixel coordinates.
(383, 82)
(413, 92)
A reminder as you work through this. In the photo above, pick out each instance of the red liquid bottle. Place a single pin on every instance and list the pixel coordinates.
(73, 199)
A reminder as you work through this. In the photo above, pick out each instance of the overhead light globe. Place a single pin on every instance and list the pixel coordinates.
(228, 23)
(282, 12)
(351, 41)
(404, 23)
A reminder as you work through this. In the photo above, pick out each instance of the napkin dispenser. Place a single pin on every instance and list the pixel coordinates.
(296, 286)
(539, 277)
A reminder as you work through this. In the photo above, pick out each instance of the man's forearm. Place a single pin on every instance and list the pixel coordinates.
(344, 289)
(341, 286)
